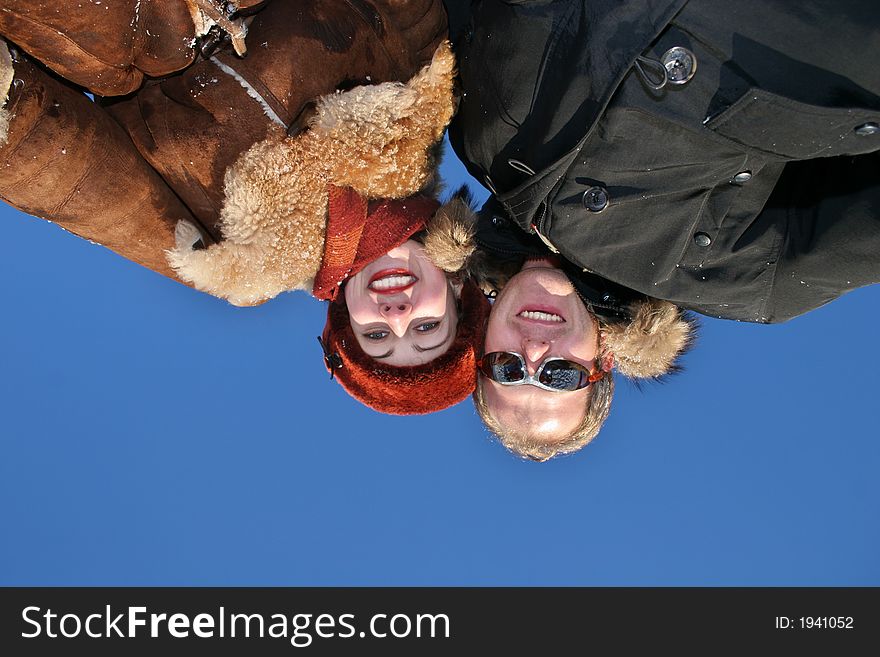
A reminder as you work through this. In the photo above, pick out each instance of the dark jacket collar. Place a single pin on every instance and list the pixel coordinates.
(497, 236)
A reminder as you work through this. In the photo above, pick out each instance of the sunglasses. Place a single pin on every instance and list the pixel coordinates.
(555, 374)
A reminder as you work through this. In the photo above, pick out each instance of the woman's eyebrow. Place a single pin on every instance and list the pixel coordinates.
(424, 349)
(421, 350)
(385, 355)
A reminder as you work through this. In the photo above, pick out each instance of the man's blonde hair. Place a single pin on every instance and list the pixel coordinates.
(528, 445)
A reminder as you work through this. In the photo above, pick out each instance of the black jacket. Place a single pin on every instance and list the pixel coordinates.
(751, 192)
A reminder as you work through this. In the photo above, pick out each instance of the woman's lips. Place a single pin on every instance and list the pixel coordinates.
(392, 281)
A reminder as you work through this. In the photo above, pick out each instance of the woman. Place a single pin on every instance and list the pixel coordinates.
(404, 335)
(183, 131)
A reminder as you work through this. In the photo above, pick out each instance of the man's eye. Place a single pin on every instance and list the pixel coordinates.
(376, 335)
(427, 326)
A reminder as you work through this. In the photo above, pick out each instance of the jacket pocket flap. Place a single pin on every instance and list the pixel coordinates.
(783, 127)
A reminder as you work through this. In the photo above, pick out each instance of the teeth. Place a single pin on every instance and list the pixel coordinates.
(391, 281)
(544, 317)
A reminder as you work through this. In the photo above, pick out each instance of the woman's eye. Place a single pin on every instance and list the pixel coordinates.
(427, 326)
(376, 335)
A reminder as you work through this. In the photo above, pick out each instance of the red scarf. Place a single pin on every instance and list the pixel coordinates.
(360, 231)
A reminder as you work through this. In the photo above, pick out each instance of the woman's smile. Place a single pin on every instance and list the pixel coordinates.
(392, 281)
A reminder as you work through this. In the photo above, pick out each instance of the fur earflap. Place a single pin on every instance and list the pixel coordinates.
(6, 75)
(648, 346)
(449, 234)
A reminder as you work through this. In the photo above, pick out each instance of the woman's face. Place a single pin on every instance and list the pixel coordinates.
(402, 307)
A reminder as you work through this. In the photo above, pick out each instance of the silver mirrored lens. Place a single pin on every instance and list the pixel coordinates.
(564, 375)
(506, 368)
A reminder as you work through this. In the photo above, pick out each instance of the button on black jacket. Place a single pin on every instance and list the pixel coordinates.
(752, 192)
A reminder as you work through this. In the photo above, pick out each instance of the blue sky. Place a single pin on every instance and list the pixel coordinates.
(153, 435)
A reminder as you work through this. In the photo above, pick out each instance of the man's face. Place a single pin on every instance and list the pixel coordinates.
(539, 314)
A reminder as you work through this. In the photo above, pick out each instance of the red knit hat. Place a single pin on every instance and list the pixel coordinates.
(416, 389)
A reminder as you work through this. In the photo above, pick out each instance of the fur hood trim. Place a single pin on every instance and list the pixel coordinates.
(377, 139)
(450, 236)
(648, 346)
(6, 75)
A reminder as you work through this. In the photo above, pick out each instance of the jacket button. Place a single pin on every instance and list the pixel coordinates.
(866, 129)
(680, 64)
(596, 199)
(742, 177)
(702, 239)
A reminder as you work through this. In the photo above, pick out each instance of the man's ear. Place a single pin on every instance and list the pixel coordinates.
(605, 357)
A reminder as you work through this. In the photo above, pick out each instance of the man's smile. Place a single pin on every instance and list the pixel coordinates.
(541, 316)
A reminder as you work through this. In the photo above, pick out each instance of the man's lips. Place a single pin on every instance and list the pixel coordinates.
(391, 281)
(541, 315)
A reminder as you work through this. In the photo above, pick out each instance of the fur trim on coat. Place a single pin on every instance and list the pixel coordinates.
(375, 139)
(6, 76)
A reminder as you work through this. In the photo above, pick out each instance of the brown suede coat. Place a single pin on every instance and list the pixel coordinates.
(122, 171)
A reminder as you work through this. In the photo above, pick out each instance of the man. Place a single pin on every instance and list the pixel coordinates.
(721, 157)
(538, 323)
(554, 334)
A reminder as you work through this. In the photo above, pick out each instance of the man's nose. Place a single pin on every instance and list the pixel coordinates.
(397, 315)
(535, 351)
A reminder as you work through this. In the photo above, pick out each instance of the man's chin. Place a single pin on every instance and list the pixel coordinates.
(545, 277)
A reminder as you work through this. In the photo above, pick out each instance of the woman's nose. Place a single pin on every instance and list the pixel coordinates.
(397, 315)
